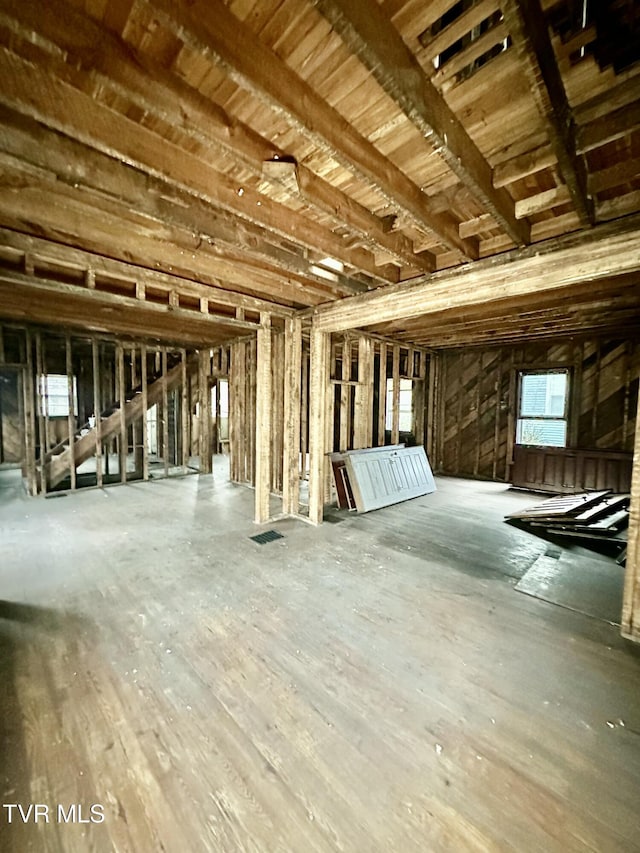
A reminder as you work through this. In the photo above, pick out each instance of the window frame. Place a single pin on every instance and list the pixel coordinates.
(45, 398)
(402, 410)
(564, 417)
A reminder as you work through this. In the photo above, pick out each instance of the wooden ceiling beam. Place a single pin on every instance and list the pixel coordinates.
(493, 337)
(579, 319)
(527, 25)
(546, 200)
(609, 294)
(41, 251)
(608, 127)
(64, 217)
(37, 93)
(371, 36)
(70, 166)
(524, 165)
(507, 321)
(209, 27)
(496, 35)
(154, 89)
(472, 17)
(620, 206)
(615, 176)
(26, 299)
(604, 251)
(625, 93)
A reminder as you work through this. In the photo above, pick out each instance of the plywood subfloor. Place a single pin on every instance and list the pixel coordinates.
(373, 685)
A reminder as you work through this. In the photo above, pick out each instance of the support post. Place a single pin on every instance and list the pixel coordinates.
(631, 596)
(264, 417)
(304, 412)
(291, 448)
(42, 406)
(205, 412)
(71, 418)
(395, 429)
(165, 414)
(184, 409)
(431, 406)
(319, 376)
(345, 395)
(136, 426)
(363, 409)
(97, 408)
(382, 395)
(123, 443)
(29, 418)
(419, 401)
(145, 407)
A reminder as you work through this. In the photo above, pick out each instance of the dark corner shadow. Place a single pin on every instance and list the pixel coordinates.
(22, 626)
(47, 618)
(632, 648)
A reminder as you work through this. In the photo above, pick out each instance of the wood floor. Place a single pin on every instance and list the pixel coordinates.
(371, 685)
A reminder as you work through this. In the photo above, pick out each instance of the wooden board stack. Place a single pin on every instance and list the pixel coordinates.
(589, 518)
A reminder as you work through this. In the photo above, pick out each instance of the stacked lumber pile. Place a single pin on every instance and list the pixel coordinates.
(589, 518)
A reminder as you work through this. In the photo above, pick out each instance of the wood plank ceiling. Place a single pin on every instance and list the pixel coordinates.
(190, 163)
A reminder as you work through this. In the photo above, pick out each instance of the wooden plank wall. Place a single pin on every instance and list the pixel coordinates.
(11, 428)
(477, 400)
(12, 360)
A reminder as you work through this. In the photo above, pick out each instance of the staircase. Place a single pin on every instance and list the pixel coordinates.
(57, 462)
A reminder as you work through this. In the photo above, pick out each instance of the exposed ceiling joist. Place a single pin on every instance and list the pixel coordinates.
(40, 299)
(580, 309)
(526, 23)
(157, 91)
(32, 91)
(609, 127)
(68, 167)
(612, 250)
(209, 27)
(30, 252)
(371, 36)
(523, 165)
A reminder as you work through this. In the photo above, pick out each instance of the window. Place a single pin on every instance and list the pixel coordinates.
(543, 408)
(54, 395)
(406, 399)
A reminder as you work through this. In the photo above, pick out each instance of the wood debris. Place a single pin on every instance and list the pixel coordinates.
(588, 518)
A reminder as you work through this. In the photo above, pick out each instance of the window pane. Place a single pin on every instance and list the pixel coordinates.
(405, 407)
(549, 433)
(543, 394)
(54, 395)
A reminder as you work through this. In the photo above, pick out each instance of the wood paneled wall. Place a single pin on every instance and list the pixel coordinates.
(477, 400)
(11, 431)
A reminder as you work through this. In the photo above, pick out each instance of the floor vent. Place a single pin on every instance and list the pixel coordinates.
(55, 495)
(267, 536)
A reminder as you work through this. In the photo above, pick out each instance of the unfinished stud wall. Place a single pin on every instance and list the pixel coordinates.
(477, 401)
(242, 410)
(360, 367)
(355, 401)
(161, 387)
